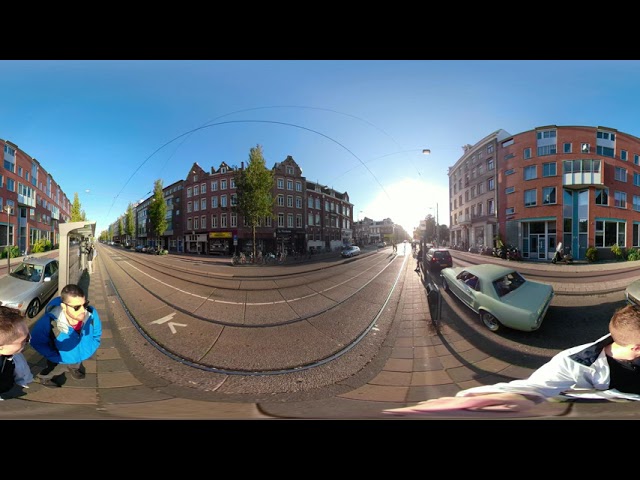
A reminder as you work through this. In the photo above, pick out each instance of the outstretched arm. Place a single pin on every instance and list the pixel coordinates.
(495, 402)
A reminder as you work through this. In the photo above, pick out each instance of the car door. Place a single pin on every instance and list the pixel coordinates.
(51, 270)
(468, 293)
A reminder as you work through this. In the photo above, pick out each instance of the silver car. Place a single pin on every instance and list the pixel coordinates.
(30, 285)
(632, 293)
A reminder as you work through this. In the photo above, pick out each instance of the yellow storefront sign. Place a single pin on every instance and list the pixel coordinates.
(220, 235)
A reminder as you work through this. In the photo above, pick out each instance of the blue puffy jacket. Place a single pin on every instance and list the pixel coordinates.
(70, 347)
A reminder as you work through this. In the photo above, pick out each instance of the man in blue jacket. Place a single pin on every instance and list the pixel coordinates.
(68, 333)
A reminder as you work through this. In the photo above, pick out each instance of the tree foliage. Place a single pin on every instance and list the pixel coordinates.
(129, 222)
(158, 210)
(77, 214)
(254, 186)
(120, 228)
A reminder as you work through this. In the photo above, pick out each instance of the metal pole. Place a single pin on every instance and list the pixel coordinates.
(8, 209)
(437, 230)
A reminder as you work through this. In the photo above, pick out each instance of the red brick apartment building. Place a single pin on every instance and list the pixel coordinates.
(306, 214)
(36, 203)
(577, 185)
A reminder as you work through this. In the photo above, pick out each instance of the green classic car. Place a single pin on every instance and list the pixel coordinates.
(500, 295)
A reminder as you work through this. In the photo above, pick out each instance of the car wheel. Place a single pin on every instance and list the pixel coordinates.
(490, 321)
(33, 308)
(445, 285)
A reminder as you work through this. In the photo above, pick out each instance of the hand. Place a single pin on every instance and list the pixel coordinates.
(495, 402)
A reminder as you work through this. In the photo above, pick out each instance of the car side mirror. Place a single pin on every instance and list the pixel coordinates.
(47, 279)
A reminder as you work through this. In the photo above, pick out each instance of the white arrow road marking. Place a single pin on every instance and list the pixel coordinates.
(172, 325)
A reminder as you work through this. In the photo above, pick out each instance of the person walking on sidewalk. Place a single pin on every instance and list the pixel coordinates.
(608, 368)
(419, 260)
(91, 256)
(68, 333)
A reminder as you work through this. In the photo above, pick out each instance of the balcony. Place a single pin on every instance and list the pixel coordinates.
(28, 201)
(464, 219)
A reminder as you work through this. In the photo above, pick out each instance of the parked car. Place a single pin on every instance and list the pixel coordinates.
(438, 258)
(381, 244)
(500, 295)
(351, 251)
(632, 293)
(28, 287)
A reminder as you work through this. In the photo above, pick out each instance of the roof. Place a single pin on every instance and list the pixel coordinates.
(37, 260)
(489, 270)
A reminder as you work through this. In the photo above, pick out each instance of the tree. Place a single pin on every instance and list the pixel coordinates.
(129, 222)
(77, 214)
(158, 210)
(120, 228)
(254, 186)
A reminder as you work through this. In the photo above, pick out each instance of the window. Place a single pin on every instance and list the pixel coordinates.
(636, 179)
(490, 164)
(232, 183)
(298, 186)
(214, 186)
(290, 201)
(610, 232)
(549, 169)
(602, 196)
(490, 148)
(196, 190)
(223, 184)
(624, 155)
(566, 148)
(636, 203)
(289, 170)
(281, 220)
(606, 136)
(189, 207)
(530, 198)
(546, 150)
(636, 159)
(214, 221)
(223, 202)
(214, 201)
(511, 171)
(509, 156)
(298, 202)
(620, 199)
(605, 151)
(280, 183)
(490, 185)
(318, 203)
(510, 211)
(620, 174)
(546, 134)
(491, 207)
(196, 206)
(189, 224)
(526, 154)
(509, 190)
(203, 188)
(234, 219)
(203, 203)
(289, 184)
(223, 220)
(203, 222)
(234, 199)
(530, 172)
(188, 192)
(549, 195)
(196, 223)
(280, 200)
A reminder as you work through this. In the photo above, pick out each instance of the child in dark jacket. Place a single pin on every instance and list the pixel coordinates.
(14, 336)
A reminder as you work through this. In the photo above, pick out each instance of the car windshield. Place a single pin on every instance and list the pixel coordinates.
(507, 284)
(28, 271)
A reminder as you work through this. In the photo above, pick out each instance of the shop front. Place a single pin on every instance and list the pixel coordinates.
(290, 240)
(220, 243)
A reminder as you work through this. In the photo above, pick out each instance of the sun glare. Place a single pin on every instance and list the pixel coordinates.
(411, 201)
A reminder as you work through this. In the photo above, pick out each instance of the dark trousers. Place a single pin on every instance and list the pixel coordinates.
(55, 369)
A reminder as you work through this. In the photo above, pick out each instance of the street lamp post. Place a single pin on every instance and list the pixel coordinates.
(7, 208)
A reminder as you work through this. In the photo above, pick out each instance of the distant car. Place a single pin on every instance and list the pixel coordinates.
(437, 259)
(500, 295)
(351, 251)
(30, 285)
(381, 244)
(632, 293)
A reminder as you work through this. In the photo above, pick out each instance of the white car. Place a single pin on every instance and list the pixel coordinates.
(30, 285)
(351, 251)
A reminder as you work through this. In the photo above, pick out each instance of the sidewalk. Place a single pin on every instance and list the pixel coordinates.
(418, 361)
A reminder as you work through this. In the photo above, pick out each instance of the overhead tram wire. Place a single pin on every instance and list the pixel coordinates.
(247, 121)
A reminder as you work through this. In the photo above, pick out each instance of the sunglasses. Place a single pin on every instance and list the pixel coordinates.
(77, 307)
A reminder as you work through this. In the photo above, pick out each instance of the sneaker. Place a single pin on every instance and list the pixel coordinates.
(47, 382)
(76, 373)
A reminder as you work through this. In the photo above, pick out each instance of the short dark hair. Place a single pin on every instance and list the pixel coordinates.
(12, 325)
(71, 290)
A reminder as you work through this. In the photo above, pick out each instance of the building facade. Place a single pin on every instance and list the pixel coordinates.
(578, 185)
(35, 201)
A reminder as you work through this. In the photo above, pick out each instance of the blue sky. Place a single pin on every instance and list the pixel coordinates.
(108, 129)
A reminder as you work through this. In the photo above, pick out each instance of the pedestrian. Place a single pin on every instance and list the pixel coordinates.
(418, 260)
(68, 333)
(91, 256)
(14, 337)
(608, 368)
